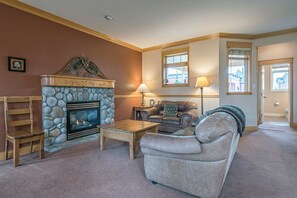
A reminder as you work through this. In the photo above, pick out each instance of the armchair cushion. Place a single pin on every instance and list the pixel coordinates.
(171, 120)
(170, 110)
(155, 118)
(171, 144)
(214, 126)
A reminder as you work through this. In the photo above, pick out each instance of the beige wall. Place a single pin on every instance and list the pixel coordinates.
(209, 57)
(281, 47)
(270, 106)
(248, 103)
(203, 60)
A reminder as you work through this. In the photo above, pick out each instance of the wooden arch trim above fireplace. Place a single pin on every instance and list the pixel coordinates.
(70, 81)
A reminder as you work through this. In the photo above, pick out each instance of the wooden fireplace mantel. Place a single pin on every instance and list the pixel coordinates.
(70, 81)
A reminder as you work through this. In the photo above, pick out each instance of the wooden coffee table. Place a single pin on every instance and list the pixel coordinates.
(127, 130)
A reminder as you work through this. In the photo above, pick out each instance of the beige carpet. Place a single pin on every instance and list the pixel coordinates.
(264, 166)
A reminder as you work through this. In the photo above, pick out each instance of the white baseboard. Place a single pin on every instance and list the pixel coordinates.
(250, 128)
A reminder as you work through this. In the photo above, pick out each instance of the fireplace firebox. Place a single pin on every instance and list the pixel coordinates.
(82, 118)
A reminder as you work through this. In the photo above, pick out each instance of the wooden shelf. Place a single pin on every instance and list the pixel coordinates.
(70, 81)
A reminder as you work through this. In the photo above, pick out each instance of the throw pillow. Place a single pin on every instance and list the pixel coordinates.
(170, 110)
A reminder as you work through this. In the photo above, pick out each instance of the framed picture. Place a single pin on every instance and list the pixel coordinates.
(152, 102)
(16, 64)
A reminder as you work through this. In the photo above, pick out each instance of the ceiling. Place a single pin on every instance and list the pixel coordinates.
(148, 23)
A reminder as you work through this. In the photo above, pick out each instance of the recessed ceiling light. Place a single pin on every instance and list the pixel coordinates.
(108, 17)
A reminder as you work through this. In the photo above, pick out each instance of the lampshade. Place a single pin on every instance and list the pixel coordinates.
(142, 88)
(202, 82)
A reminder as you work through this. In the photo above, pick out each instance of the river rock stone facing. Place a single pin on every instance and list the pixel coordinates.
(54, 108)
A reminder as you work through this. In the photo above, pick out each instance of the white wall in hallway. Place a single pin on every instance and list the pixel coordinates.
(288, 49)
(275, 102)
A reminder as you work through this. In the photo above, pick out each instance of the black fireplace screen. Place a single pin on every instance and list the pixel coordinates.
(82, 118)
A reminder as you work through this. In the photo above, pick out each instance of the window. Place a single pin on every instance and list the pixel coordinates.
(279, 77)
(239, 61)
(175, 68)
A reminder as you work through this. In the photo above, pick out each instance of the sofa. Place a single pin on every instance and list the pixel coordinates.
(195, 163)
(187, 113)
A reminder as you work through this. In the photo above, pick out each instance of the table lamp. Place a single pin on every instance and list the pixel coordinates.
(142, 89)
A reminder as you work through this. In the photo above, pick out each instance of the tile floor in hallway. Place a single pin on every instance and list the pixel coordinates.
(272, 120)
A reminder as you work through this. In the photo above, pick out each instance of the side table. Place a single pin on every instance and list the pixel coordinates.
(137, 110)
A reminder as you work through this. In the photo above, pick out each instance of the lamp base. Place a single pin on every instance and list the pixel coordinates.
(142, 101)
(201, 88)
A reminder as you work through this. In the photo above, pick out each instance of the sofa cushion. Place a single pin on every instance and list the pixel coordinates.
(170, 110)
(161, 113)
(155, 118)
(171, 120)
(186, 106)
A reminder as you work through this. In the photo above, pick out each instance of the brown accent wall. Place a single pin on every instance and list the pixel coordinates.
(47, 48)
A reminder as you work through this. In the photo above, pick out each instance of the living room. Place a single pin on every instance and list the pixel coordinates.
(49, 45)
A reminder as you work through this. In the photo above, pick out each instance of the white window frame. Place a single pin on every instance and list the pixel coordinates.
(175, 52)
(247, 83)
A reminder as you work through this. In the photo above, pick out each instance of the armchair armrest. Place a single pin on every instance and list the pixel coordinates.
(188, 117)
(170, 143)
(145, 113)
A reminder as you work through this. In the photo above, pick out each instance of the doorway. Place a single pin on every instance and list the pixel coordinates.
(275, 92)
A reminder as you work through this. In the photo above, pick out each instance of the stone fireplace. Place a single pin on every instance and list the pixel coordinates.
(61, 95)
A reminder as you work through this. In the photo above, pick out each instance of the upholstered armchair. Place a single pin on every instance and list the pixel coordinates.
(196, 164)
(187, 113)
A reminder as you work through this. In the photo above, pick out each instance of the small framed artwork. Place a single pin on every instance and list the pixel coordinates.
(152, 102)
(16, 64)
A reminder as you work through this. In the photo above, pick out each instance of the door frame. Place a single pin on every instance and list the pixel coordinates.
(259, 74)
(260, 95)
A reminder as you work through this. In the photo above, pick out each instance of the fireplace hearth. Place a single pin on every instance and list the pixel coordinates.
(82, 118)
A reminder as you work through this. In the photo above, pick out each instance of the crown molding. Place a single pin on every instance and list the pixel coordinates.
(41, 13)
(235, 36)
(275, 33)
(223, 35)
(182, 42)
(201, 38)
